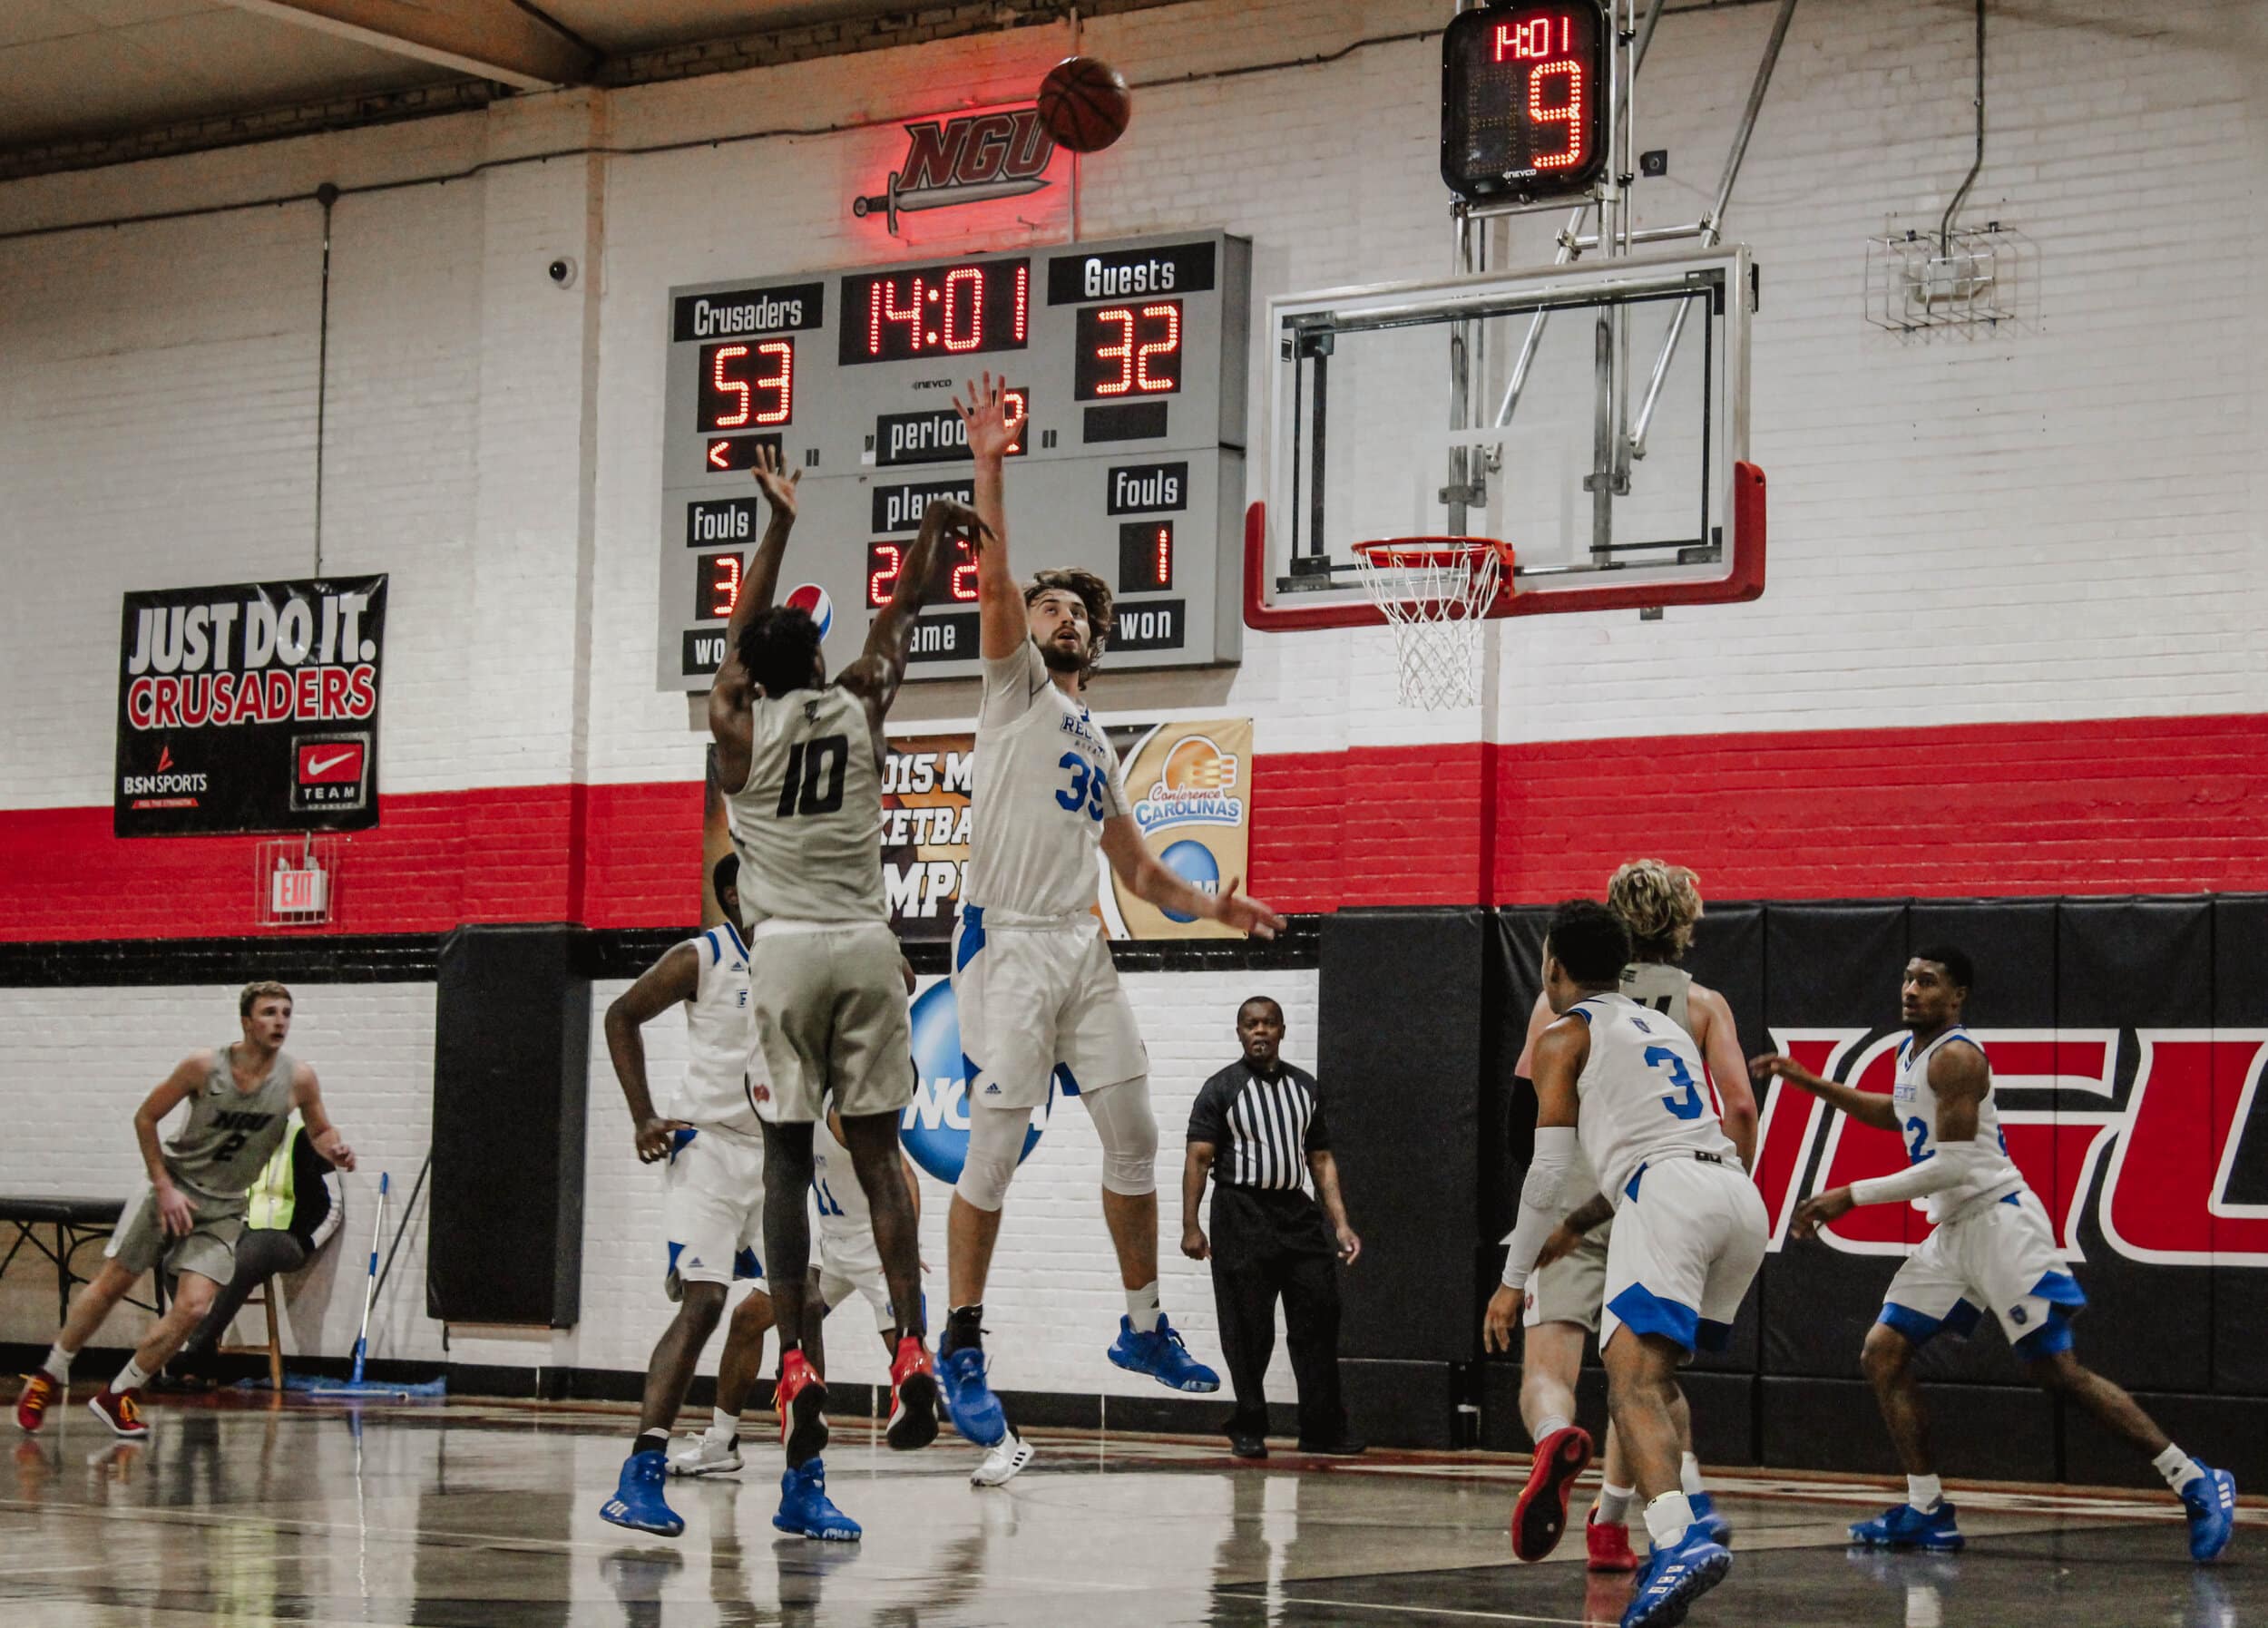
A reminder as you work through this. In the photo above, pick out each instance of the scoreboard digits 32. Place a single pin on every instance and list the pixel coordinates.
(1126, 361)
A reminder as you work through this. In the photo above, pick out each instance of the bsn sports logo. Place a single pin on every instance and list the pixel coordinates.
(812, 600)
(935, 1127)
(976, 157)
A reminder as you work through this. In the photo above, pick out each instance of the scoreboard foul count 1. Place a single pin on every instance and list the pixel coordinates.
(1125, 363)
(1524, 99)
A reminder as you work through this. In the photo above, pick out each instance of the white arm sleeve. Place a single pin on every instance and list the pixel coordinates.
(1947, 1167)
(1540, 1205)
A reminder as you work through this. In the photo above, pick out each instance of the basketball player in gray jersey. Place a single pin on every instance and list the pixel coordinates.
(1659, 903)
(186, 1221)
(1037, 994)
(801, 760)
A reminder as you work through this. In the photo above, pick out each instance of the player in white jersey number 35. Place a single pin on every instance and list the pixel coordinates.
(1038, 997)
(1689, 1229)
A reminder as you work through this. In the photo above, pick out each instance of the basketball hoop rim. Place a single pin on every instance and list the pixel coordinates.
(1417, 554)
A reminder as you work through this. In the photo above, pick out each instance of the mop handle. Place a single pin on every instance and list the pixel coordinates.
(370, 1286)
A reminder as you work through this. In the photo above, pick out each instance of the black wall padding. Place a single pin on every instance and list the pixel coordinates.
(512, 1021)
(1401, 1052)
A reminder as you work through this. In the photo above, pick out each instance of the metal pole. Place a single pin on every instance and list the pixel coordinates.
(1713, 223)
(1569, 247)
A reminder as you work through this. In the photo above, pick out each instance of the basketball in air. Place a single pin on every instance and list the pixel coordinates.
(1085, 103)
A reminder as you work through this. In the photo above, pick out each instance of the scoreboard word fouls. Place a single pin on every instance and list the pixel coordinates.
(1523, 100)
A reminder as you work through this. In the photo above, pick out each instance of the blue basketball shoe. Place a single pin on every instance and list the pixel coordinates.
(1903, 1527)
(2212, 1507)
(1706, 1516)
(805, 1510)
(1162, 1355)
(638, 1503)
(970, 1403)
(1673, 1578)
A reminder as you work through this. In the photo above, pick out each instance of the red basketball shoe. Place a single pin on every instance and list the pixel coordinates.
(1540, 1514)
(39, 1394)
(913, 1397)
(120, 1411)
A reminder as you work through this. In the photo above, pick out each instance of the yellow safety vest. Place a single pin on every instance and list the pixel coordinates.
(273, 1200)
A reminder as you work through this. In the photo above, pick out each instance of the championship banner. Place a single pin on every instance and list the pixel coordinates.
(247, 707)
(1190, 785)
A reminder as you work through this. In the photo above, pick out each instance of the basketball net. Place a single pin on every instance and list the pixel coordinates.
(1434, 593)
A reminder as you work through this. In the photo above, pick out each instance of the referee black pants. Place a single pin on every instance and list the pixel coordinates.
(1272, 1245)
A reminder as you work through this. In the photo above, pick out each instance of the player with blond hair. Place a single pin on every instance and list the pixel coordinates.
(1659, 903)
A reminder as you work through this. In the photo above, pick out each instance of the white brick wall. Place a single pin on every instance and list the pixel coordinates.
(2059, 523)
(1054, 1300)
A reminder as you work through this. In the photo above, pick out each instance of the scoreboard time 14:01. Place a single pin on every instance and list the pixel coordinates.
(1125, 361)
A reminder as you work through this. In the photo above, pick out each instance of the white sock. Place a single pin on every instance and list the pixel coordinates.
(1545, 1426)
(1614, 1503)
(1923, 1492)
(1141, 1308)
(130, 1377)
(1667, 1518)
(2178, 1468)
(1689, 1476)
(58, 1365)
(723, 1425)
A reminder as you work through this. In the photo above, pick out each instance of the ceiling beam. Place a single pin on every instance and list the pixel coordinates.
(493, 39)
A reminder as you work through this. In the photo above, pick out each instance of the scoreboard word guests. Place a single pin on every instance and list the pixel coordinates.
(1125, 362)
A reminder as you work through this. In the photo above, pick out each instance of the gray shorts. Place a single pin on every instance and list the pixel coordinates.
(140, 1244)
(830, 1014)
(1574, 1288)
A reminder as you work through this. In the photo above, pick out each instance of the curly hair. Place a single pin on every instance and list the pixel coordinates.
(1659, 902)
(1094, 593)
(780, 650)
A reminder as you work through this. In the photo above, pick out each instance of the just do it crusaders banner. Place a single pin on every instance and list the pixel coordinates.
(252, 706)
(1189, 785)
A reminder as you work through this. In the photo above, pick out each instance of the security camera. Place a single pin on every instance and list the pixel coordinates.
(562, 272)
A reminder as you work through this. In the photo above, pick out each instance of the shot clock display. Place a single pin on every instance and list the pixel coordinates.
(1126, 361)
(1523, 100)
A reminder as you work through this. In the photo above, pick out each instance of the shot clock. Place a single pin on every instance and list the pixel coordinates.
(1524, 99)
(1125, 364)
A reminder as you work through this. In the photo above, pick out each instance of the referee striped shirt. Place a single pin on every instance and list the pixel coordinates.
(1264, 1125)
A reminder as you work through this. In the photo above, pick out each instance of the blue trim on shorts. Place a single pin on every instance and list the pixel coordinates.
(1630, 1189)
(677, 1140)
(1962, 1321)
(1063, 1079)
(972, 936)
(2049, 1339)
(1714, 1336)
(745, 1266)
(1645, 1312)
(2061, 1289)
(1919, 1328)
(675, 1250)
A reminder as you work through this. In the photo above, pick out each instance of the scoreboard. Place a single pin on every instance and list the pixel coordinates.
(1125, 363)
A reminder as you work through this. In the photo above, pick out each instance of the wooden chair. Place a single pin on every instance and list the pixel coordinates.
(264, 1297)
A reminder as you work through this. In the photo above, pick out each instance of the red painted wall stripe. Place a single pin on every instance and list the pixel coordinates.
(2120, 806)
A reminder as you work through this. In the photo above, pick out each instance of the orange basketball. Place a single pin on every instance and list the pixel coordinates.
(1085, 103)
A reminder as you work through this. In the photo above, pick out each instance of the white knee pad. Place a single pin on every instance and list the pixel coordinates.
(1129, 1133)
(995, 1139)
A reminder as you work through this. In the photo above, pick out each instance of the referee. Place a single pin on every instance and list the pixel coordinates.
(1258, 1130)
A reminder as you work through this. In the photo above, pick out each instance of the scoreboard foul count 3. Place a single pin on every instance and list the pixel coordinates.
(1126, 366)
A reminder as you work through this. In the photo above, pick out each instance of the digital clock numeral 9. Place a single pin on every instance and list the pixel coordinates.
(750, 382)
(885, 563)
(1530, 41)
(1129, 350)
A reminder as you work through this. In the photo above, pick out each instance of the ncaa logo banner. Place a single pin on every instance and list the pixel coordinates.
(252, 706)
(1190, 785)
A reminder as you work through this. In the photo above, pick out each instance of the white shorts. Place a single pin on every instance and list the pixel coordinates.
(1573, 1288)
(851, 1263)
(713, 1209)
(1687, 1245)
(1999, 1257)
(1041, 1002)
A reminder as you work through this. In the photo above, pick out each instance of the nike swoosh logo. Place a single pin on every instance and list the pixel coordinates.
(316, 765)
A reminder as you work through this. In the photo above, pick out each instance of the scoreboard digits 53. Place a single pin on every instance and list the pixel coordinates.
(1125, 364)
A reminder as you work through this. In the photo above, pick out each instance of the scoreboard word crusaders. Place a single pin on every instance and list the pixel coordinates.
(1125, 364)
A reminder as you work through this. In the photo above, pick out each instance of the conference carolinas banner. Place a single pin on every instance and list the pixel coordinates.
(251, 707)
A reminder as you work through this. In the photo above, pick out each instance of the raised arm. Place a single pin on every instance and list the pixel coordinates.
(1868, 1108)
(1728, 1070)
(1556, 1060)
(1146, 879)
(1002, 625)
(731, 690)
(307, 1096)
(1959, 1077)
(176, 1213)
(675, 977)
(880, 668)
